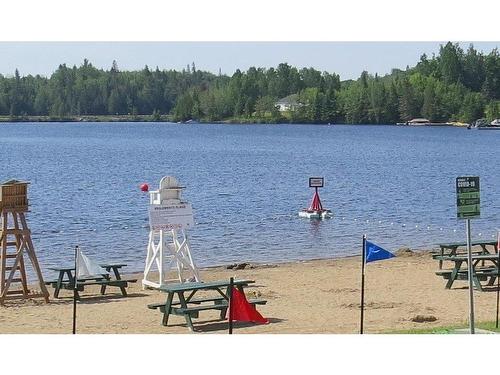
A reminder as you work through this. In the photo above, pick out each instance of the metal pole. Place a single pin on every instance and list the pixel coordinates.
(230, 305)
(498, 277)
(362, 284)
(74, 291)
(470, 272)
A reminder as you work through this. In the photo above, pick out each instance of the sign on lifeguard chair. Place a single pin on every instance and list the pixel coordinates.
(169, 256)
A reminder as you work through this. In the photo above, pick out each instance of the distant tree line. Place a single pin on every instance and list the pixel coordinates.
(455, 85)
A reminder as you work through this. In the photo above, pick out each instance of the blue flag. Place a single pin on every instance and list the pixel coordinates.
(375, 252)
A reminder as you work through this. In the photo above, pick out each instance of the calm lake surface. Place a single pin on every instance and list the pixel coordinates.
(246, 184)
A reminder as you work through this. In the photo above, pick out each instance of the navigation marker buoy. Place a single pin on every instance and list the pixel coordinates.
(315, 210)
(145, 187)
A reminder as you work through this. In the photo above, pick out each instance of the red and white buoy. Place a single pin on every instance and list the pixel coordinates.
(315, 210)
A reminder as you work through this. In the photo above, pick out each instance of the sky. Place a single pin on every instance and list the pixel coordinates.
(348, 59)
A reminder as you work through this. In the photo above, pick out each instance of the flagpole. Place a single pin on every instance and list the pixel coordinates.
(362, 284)
(230, 305)
(75, 291)
(498, 276)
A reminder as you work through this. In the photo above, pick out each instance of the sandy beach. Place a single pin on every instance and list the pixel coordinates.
(318, 296)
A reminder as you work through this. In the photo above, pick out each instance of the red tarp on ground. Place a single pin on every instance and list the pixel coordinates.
(243, 311)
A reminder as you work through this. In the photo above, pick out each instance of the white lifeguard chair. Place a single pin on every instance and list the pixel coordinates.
(168, 255)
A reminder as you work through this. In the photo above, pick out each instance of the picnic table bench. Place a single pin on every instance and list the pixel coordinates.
(189, 307)
(480, 273)
(66, 280)
(451, 249)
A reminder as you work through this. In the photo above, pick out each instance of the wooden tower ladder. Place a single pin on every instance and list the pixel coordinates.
(15, 243)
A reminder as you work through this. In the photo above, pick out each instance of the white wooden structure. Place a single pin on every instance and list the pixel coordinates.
(168, 255)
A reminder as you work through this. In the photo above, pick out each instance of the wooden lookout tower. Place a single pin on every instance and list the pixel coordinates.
(15, 243)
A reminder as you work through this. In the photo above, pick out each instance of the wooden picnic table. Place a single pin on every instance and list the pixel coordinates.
(452, 248)
(66, 280)
(189, 307)
(479, 273)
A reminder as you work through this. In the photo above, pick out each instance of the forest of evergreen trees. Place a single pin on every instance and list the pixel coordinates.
(455, 85)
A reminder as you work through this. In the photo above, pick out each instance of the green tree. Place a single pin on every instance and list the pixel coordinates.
(184, 107)
(450, 56)
(492, 110)
(491, 86)
(429, 107)
(472, 107)
(408, 105)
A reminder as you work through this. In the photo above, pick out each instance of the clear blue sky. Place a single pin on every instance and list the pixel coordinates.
(348, 59)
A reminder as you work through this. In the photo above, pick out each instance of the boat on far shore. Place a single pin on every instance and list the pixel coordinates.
(482, 124)
(427, 122)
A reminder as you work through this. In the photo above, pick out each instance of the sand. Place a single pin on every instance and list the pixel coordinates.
(319, 296)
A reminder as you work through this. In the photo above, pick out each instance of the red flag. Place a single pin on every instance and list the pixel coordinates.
(244, 311)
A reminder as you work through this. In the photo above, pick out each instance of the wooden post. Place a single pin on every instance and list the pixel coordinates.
(22, 269)
(3, 255)
(230, 305)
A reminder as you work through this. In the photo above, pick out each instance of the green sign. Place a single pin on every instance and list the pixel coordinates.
(468, 200)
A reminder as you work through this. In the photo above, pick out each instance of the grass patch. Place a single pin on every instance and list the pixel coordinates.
(489, 326)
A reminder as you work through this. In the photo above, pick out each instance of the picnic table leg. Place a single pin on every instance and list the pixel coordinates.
(441, 260)
(477, 283)
(189, 321)
(122, 288)
(58, 284)
(124, 291)
(73, 281)
(475, 279)
(453, 275)
(168, 306)
(118, 277)
(492, 280)
(103, 287)
(485, 251)
(223, 311)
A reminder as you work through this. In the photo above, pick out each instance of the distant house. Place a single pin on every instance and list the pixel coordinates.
(288, 103)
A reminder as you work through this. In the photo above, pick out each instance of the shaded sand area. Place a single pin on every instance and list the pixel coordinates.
(319, 296)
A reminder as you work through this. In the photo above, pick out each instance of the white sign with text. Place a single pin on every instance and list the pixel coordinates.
(171, 216)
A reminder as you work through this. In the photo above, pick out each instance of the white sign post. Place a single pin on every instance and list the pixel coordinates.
(169, 256)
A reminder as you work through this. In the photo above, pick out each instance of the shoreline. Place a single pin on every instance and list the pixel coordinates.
(273, 264)
(167, 119)
(314, 296)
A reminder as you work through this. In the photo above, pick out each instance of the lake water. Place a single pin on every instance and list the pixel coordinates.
(246, 184)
